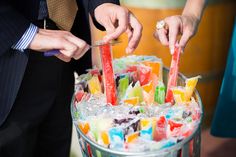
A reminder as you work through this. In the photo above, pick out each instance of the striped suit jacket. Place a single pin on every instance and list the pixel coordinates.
(15, 18)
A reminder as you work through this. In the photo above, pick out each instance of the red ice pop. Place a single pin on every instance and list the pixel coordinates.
(173, 75)
(108, 74)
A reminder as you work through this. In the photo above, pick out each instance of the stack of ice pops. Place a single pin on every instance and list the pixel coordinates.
(126, 107)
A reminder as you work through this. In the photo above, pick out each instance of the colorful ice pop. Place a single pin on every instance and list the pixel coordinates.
(159, 96)
(132, 137)
(190, 86)
(108, 74)
(144, 74)
(132, 101)
(146, 128)
(179, 94)
(84, 127)
(104, 138)
(136, 91)
(148, 87)
(123, 85)
(174, 125)
(173, 74)
(148, 93)
(94, 85)
(156, 67)
(116, 137)
(160, 130)
(79, 95)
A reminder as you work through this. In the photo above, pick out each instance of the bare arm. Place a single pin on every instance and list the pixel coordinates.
(194, 8)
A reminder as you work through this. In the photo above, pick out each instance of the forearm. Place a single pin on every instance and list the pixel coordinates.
(194, 8)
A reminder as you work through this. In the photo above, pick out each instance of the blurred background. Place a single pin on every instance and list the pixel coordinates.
(205, 55)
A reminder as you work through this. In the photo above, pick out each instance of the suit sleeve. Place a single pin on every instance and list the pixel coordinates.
(26, 38)
(12, 26)
(93, 4)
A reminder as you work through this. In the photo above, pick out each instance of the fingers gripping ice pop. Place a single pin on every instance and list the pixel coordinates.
(173, 74)
(109, 81)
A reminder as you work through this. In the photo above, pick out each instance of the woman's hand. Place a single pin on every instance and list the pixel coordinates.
(184, 25)
(117, 20)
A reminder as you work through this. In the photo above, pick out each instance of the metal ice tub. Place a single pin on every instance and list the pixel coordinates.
(189, 147)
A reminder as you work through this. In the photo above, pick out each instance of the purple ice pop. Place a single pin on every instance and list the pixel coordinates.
(51, 53)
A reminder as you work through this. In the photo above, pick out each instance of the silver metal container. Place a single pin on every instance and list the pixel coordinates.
(189, 147)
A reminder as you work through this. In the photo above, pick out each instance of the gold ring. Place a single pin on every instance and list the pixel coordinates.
(161, 24)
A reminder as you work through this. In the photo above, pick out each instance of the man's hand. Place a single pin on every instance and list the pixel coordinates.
(69, 45)
(117, 20)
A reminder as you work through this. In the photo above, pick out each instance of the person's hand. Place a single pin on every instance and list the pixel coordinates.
(69, 45)
(183, 25)
(117, 20)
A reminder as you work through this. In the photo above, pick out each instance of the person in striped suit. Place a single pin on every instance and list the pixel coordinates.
(35, 91)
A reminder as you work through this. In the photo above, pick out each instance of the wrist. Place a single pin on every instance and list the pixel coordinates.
(101, 8)
(194, 9)
(195, 18)
(35, 43)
